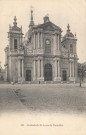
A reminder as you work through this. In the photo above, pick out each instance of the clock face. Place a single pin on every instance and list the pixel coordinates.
(47, 41)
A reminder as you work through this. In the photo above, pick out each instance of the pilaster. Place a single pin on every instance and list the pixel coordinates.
(40, 76)
(34, 41)
(38, 39)
(57, 76)
(72, 75)
(34, 70)
(21, 77)
(58, 42)
(41, 40)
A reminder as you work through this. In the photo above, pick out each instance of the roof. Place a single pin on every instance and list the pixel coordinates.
(48, 26)
(45, 26)
(68, 33)
(15, 28)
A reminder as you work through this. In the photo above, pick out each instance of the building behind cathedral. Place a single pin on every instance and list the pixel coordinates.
(43, 56)
(2, 73)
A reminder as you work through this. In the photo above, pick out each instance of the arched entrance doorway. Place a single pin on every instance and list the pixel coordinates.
(48, 72)
(28, 75)
(64, 75)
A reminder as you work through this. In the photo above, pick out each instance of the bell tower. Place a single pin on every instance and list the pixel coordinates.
(15, 53)
(15, 36)
(69, 41)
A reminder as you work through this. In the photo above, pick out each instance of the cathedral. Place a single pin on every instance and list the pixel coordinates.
(42, 55)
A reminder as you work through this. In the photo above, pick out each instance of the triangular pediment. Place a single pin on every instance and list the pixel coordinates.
(49, 26)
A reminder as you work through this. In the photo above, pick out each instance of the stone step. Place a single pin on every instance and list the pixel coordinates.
(4, 82)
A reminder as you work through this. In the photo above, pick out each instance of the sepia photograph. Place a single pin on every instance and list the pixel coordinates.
(42, 67)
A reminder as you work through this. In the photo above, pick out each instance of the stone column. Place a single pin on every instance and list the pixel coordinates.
(58, 68)
(41, 41)
(70, 68)
(55, 44)
(55, 68)
(42, 69)
(10, 42)
(34, 41)
(19, 68)
(57, 76)
(34, 70)
(58, 42)
(20, 41)
(38, 39)
(22, 68)
(38, 67)
(72, 75)
(73, 70)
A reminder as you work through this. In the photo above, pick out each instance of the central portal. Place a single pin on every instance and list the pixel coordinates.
(48, 72)
(64, 75)
(28, 75)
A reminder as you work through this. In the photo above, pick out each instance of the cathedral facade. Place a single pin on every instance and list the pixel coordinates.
(42, 56)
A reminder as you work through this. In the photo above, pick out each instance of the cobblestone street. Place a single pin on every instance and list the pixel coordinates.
(46, 97)
(49, 108)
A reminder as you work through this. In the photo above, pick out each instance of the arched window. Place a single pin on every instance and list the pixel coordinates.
(71, 48)
(15, 43)
(47, 46)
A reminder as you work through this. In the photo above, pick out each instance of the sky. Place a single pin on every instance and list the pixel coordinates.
(61, 13)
